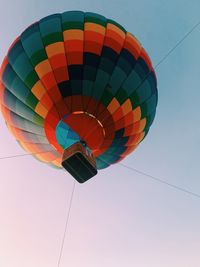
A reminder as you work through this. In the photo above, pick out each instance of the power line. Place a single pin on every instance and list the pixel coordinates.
(176, 45)
(27, 154)
(66, 225)
(161, 181)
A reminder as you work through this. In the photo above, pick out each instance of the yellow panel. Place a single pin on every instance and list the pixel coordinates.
(142, 125)
(133, 38)
(126, 107)
(38, 90)
(137, 114)
(43, 68)
(113, 106)
(73, 35)
(41, 110)
(55, 49)
(94, 27)
(114, 28)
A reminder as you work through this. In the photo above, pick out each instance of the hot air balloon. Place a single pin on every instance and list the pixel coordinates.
(78, 92)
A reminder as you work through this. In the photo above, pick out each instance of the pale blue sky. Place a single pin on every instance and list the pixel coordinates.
(119, 218)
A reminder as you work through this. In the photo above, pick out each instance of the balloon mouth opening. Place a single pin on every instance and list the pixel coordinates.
(92, 116)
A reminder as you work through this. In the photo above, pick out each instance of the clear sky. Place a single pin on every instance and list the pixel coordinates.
(119, 218)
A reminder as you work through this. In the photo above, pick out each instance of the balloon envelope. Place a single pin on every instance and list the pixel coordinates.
(78, 76)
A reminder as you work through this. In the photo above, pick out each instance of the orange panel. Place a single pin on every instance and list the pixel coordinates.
(126, 106)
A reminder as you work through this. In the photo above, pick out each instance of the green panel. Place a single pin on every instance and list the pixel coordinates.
(19, 89)
(32, 43)
(87, 87)
(117, 78)
(100, 83)
(106, 65)
(116, 24)
(106, 98)
(73, 25)
(16, 50)
(31, 101)
(141, 95)
(22, 66)
(149, 106)
(26, 125)
(49, 25)
(95, 18)
(132, 82)
(73, 20)
(38, 57)
(8, 76)
(121, 96)
(52, 38)
(31, 79)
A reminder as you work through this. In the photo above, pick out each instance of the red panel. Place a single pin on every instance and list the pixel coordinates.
(75, 58)
(61, 74)
(146, 58)
(76, 103)
(58, 61)
(54, 93)
(132, 45)
(49, 80)
(74, 46)
(4, 64)
(113, 44)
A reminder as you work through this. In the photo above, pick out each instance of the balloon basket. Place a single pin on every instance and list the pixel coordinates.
(79, 162)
